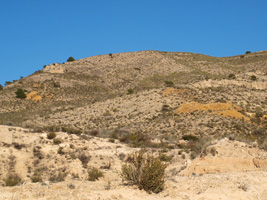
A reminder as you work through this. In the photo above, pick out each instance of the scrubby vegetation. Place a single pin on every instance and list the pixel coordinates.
(94, 174)
(12, 180)
(144, 170)
(51, 135)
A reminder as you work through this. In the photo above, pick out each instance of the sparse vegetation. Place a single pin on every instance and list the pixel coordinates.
(12, 180)
(36, 177)
(169, 83)
(130, 91)
(1, 87)
(51, 135)
(84, 159)
(59, 177)
(57, 141)
(94, 174)
(145, 171)
(231, 76)
(7, 83)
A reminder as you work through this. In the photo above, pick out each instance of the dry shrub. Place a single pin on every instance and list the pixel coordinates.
(58, 177)
(94, 174)
(12, 180)
(51, 135)
(145, 171)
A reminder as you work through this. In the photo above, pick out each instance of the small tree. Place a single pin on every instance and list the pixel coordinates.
(70, 59)
(1, 87)
(247, 52)
(20, 93)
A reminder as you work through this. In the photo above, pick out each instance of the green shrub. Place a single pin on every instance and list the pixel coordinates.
(1, 87)
(70, 59)
(130, 91)
(247, 52)
(71, 130)
(112, 140)
(20, 93)
(231, 76)
(165, 158)
(7, 83)
(94, 174)
(57, 141)
(145, 171)
(253, 78)
(36, 177)
(12, 180)
(51, 135)
(169, 83)
(189, 137)
(60, 151)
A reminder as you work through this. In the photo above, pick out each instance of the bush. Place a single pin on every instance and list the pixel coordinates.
(7, 83)
(94, 174)
(169, 83)
(70, 59)
(20, 93)
(12, 180)
(71, 130)
(1, 87)
(231, 76)
(51, 135)
(130, 91)
(57, 141)
(247, 52)
(145, 171)
(253, 78)
(84, 159)
(189, 137)
(36, 177)
(58, 177)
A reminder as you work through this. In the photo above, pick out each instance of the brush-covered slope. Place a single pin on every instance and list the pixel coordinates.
(152, 92)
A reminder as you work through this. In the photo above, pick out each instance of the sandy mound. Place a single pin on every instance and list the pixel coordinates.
(228, 156)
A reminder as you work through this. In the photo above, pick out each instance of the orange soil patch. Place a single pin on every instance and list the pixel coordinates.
(50, 96)
(225, 109)
(34, 96)
(173, 91)
(36, 85)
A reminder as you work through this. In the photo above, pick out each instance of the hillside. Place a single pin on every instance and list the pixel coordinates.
(206, 115)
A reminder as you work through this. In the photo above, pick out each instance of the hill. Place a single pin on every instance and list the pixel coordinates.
(204, 114)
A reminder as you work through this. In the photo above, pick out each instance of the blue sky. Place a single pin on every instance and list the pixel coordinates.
(35, 33)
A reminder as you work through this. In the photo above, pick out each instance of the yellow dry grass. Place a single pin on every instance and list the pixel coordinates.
(34, 96)
(225, 109)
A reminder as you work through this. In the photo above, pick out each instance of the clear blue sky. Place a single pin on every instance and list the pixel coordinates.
(35, 33)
